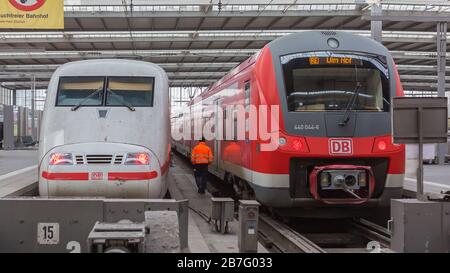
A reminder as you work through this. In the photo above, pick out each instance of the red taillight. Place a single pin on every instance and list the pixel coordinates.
(294, 144)
(61, 159)
(384, 144)
(297, 144)
(137, 159)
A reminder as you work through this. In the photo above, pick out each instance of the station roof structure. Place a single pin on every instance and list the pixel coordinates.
(197, 42)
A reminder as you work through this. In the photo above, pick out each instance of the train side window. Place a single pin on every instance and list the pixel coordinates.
(247, 94)
(85, 90)
(247, 109)
(224, 122)
(235, 126)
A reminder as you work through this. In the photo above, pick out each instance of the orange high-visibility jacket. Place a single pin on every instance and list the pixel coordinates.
(201, 154)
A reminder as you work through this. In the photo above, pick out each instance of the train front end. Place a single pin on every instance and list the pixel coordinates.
(335, 91)
(105, 130)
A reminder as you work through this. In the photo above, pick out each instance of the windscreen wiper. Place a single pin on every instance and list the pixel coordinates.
(350, 105)
(129, 106)
(78, 105)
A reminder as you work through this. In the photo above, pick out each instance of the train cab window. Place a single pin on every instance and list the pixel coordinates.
(327, 81)
(134, 91)
(87, 91)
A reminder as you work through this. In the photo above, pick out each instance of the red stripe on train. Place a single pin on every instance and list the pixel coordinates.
(111, 176)
(65, 176)
(132, 176)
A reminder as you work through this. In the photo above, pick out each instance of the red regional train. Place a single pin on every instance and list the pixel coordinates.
(334, 91)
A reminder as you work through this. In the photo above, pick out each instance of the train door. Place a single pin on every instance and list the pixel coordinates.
(246, 157)
(217, 134)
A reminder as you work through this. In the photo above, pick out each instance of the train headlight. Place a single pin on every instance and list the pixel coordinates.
(350, 181)
(282, 141)
(338, 180)
(362, 179)
(333, 43)
(137, 159)
(325, 180)
(61, 159)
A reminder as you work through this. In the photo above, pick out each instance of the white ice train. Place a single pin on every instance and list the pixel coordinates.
(105, 131)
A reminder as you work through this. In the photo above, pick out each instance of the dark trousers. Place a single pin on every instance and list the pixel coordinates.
(201, 175)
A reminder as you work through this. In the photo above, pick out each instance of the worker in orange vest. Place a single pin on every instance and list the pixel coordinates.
(201, 157)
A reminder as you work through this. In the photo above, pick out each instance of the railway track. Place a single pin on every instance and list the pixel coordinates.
(360, 236)
(279, 237)
(371, 231)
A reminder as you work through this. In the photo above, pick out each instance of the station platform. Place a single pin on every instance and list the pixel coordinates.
(11, 161)
(18, 172)
(436, 180)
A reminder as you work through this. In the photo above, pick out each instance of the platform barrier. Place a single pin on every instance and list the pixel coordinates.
(64, 224)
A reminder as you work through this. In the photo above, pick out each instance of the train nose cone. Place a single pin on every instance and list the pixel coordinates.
(338, 180)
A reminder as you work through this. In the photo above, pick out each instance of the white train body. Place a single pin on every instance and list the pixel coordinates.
(116, 143)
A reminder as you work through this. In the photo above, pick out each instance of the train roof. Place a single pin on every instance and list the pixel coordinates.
(319, 41)
(109, 67)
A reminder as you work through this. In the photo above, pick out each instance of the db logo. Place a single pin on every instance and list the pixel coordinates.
(97, 176)
(340, 146)
(27, 5)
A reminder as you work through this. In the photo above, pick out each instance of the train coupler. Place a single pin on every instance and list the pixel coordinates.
(342, 184)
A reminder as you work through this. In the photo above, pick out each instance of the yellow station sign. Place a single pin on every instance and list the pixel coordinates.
(31, 14)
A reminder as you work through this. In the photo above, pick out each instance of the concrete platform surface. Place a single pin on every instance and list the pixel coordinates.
(11, 161)
(20, 182)
(18, 172)
(436, 179)
(439, 174)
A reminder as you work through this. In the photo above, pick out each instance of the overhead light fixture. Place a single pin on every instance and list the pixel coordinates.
(23, 50)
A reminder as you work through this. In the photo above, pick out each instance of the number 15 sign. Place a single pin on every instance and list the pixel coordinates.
(48, 233)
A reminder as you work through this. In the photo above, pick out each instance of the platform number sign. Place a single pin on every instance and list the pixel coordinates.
(48, 233)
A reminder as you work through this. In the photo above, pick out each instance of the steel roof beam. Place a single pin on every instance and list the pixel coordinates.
(142, 54)
(16, 77)
(408, 16)
(79, 14)
(32, 67)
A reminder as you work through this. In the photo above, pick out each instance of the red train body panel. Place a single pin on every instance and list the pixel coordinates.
(319, 133)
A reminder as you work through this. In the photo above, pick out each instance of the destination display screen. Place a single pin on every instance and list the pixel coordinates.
(327, 81)
(334, 61)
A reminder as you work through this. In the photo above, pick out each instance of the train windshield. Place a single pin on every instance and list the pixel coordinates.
(120, 91)
(85, 90)
(133, 91)
(325, 81)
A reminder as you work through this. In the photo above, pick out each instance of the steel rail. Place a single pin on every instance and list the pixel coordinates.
(371, 231)
(283, 239)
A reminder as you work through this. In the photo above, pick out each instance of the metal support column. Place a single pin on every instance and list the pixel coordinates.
(33, 107)
(441, 62)
(420, 192)
(376, 27)
(8, 127)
